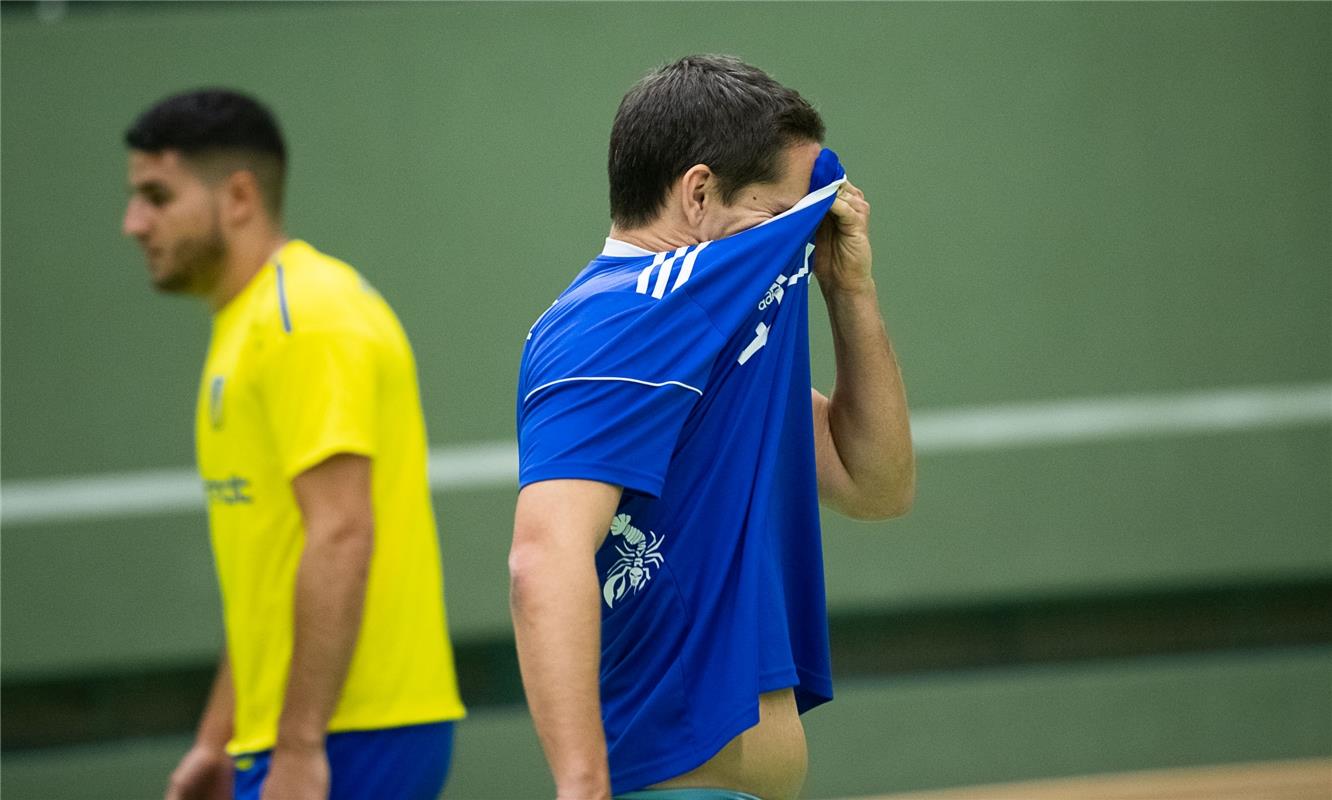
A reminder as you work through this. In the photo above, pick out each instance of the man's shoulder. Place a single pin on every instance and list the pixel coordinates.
(597, 298)
(602, 328)
(315, 275)
(318, 293)
(614, 293)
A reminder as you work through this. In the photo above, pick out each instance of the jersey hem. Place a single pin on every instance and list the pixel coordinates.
(260, 744)
(641, 776)
(778, 679)
(812, 690)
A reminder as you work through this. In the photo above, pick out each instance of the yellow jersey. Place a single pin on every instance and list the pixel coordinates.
(307, 362)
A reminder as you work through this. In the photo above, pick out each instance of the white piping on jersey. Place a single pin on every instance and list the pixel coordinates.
(805, 202)
(687, 268)
(664, 266)
(646, 274)
(697, 391)
(664, 275)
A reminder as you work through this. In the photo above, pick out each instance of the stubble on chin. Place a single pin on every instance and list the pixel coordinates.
(198, 264)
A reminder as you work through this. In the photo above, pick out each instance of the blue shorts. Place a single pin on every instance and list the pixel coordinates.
(409, 763)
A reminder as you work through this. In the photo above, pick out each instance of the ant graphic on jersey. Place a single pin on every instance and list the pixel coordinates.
(637, 558)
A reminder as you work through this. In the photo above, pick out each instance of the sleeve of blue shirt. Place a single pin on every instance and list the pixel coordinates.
(608, 384)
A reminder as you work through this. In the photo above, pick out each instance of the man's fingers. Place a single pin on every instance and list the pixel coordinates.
(851, 189)
(860, 204)
(851, 194)
(850, 210)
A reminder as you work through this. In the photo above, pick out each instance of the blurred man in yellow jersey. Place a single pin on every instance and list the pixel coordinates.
(337, 679)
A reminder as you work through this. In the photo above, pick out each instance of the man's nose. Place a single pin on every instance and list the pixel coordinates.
(135, 223)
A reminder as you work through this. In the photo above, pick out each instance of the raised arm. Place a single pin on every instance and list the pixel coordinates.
(862, 436)
(555, 599)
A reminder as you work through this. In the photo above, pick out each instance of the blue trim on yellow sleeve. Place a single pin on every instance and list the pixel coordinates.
(282, 299)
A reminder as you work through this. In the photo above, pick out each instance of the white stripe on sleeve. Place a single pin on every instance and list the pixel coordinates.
(687, 268)
(665, 275)
(646, 274)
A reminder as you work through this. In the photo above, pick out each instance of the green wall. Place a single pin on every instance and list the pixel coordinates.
(1070, 200)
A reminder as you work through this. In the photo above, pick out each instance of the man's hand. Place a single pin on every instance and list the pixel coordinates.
(842, 257)
(204, 773)
(862, 437)
(297, 774)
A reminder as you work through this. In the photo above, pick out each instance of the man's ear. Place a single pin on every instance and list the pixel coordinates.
(696, 187)
(242, 198)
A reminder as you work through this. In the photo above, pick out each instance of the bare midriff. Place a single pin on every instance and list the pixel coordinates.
(768, 760)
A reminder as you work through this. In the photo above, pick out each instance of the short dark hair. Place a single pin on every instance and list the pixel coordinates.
(703, 109)
(217, 122)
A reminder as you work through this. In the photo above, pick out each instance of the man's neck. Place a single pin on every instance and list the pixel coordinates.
(244, 260)
(656, 238)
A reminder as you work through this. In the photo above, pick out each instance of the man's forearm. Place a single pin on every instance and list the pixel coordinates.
(329, 598)
(216, 724)
(556, 606)
(205, 769)
(867, 410)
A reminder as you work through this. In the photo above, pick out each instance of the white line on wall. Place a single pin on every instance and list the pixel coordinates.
(495, 464)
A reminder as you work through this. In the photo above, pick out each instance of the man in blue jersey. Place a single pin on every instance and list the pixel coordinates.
(667, 580)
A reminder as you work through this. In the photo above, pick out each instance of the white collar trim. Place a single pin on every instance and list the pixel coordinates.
(619, 249)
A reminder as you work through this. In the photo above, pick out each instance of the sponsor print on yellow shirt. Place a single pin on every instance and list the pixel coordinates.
(307, 362)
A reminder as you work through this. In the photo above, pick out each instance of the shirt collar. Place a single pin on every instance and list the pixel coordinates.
(618, 249)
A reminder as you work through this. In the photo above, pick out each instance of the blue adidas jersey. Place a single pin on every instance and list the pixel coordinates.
(684, 378)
